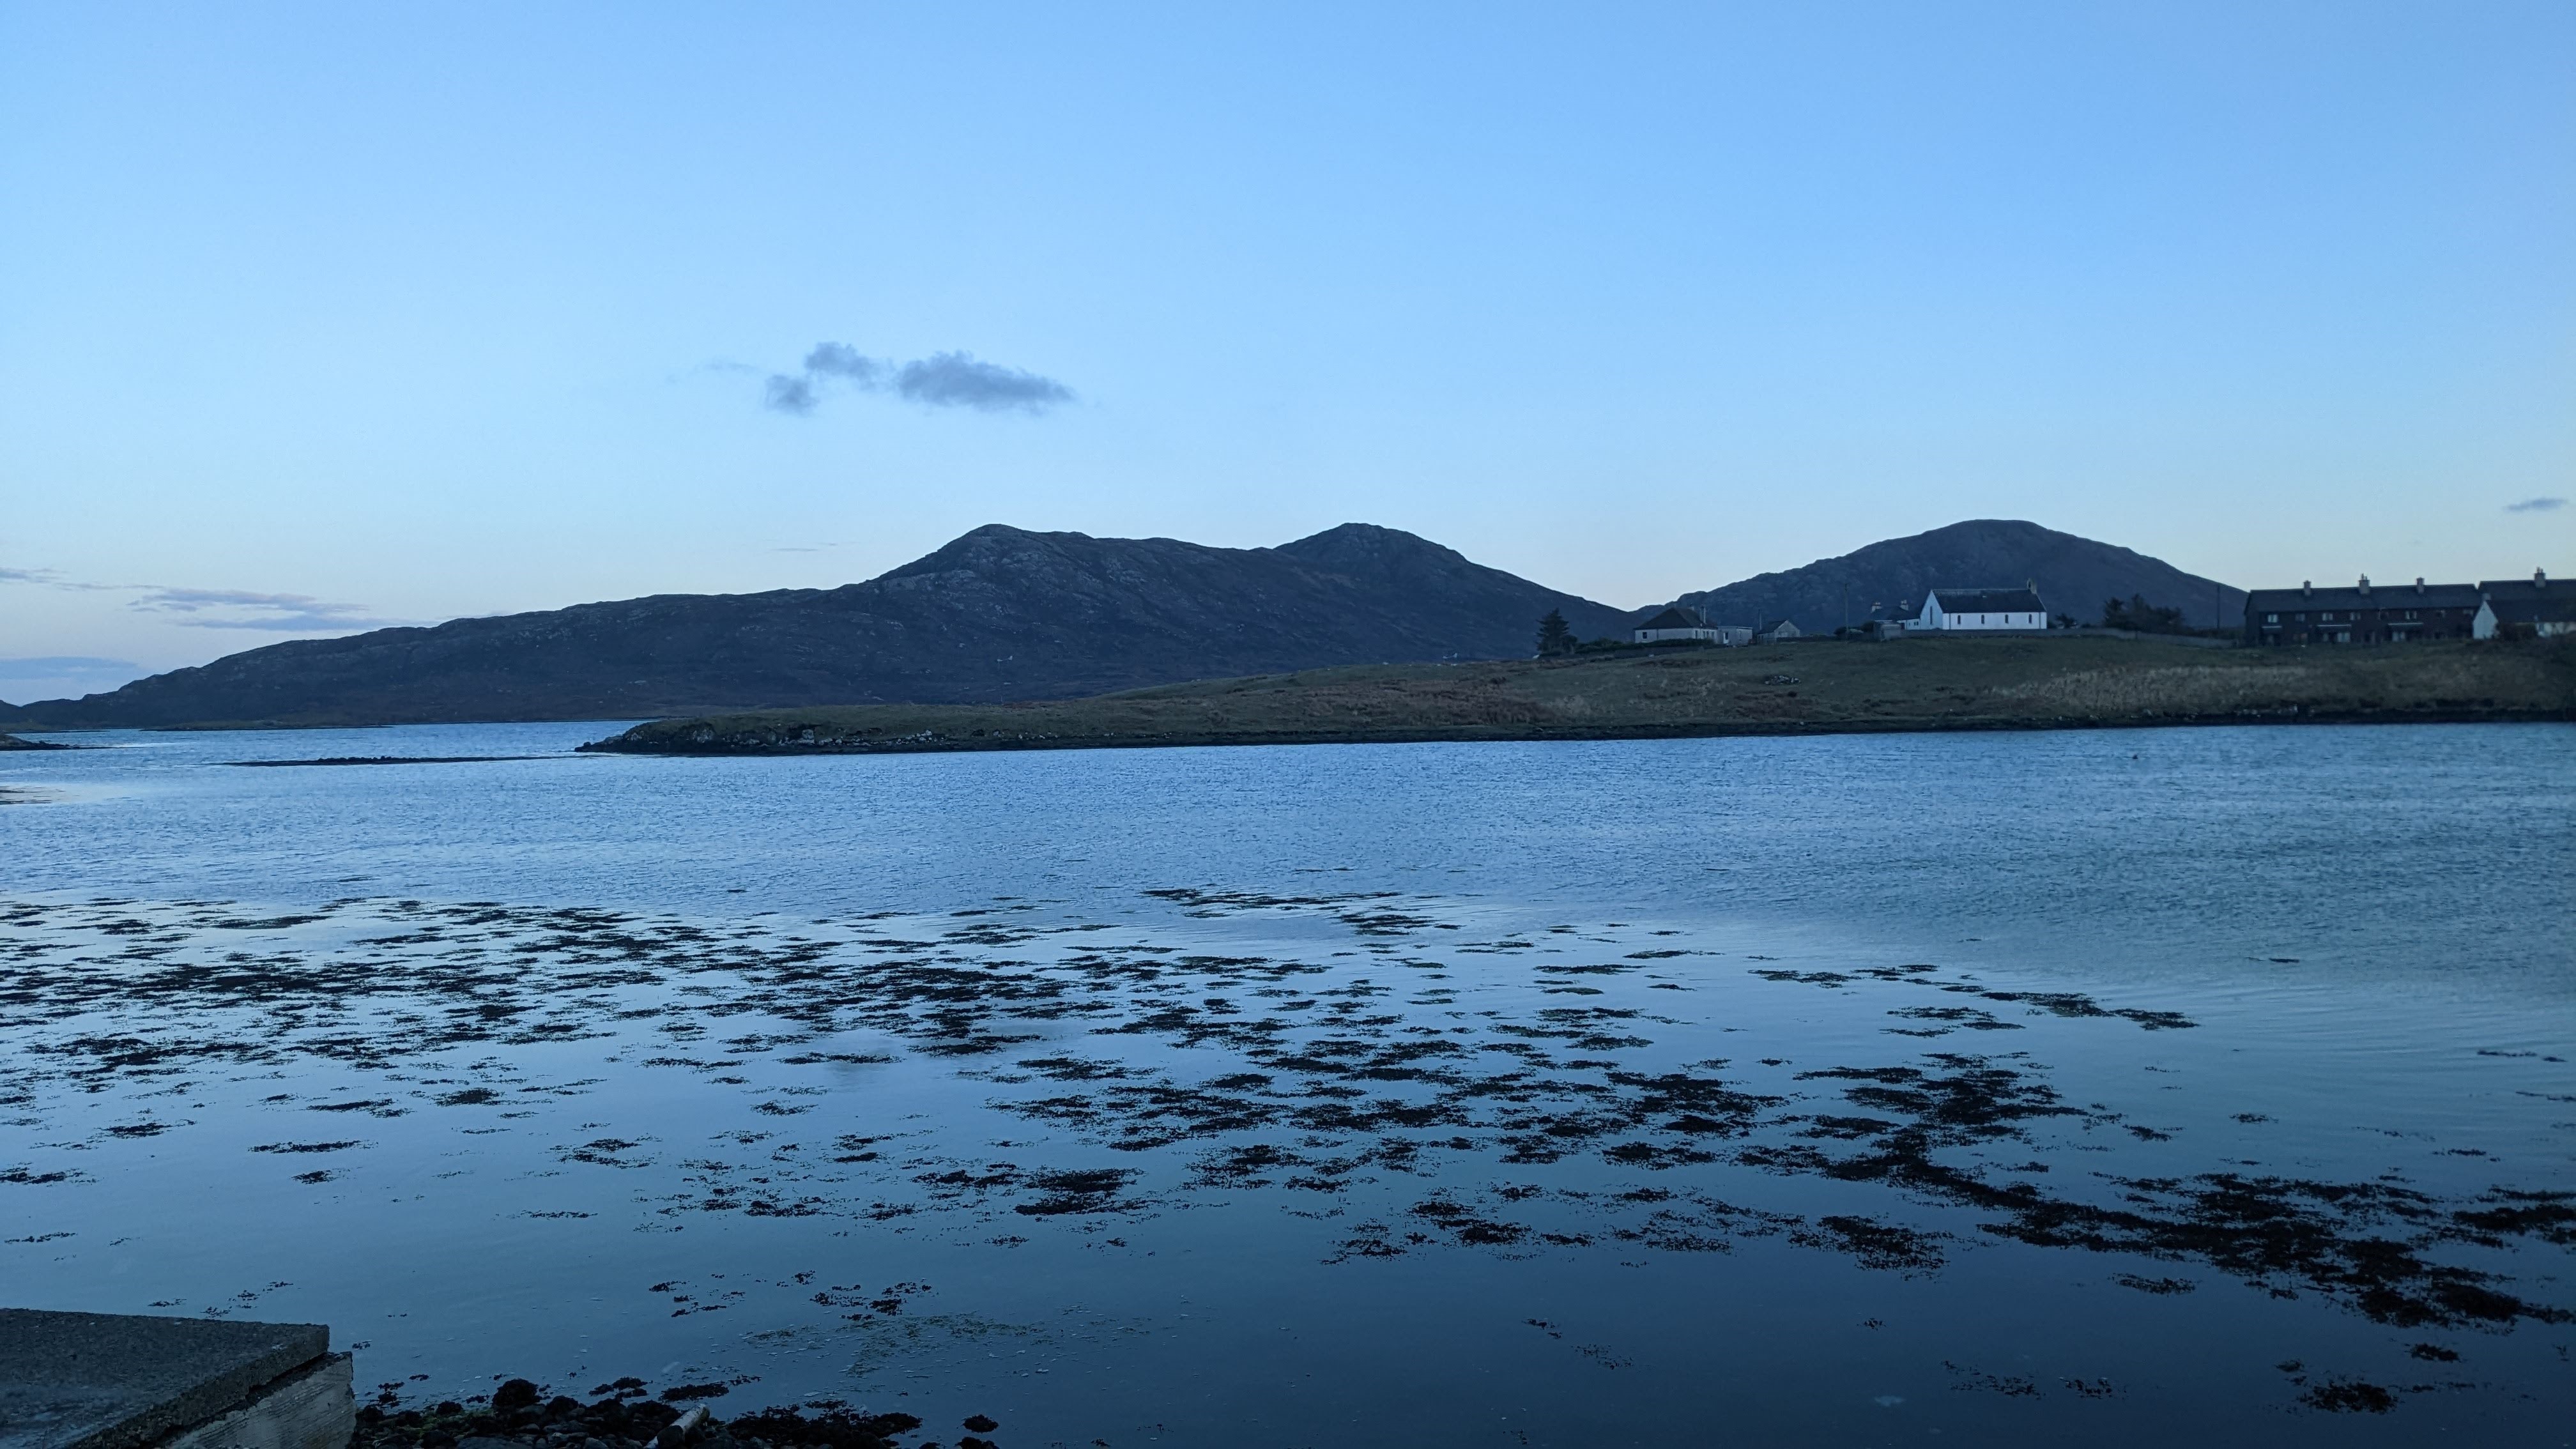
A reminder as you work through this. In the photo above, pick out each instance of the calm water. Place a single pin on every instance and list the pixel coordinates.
(2117, 1085)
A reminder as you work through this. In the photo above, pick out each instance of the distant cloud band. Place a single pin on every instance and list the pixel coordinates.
(941, 380)
(219, 608)
(2536, 505)
(240, 609)
(62, 666)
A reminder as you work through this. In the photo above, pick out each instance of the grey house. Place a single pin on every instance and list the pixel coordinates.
(2362, 614)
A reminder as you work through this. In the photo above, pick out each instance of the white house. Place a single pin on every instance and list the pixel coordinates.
(1778, 631)
(1980, 610)
(1680, 623)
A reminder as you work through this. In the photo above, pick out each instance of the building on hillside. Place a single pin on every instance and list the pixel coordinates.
(2532, 608)
(1980, 611)
(1778, 631)
(2361, 614)
(1678, 623)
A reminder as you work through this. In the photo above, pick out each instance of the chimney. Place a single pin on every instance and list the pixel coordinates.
(2419, 583)
(2539, 580)
(2306, 587)
(2365, 583)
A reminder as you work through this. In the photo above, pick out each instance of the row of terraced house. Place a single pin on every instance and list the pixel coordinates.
(2535, 607)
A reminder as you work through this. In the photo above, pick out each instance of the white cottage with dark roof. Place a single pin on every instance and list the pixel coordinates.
(1677, 623)
(1988, 611)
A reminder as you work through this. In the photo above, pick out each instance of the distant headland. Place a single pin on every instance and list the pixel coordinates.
(2070, 681)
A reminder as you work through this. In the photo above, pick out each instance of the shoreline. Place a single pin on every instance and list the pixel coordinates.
(727, 747)
(1779, 690)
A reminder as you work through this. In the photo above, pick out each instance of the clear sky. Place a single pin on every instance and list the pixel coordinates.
(312, 316)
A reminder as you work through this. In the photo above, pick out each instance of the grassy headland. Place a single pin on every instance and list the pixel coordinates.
(1808, 688)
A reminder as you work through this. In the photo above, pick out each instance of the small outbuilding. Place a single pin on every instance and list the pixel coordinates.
(1778, 631)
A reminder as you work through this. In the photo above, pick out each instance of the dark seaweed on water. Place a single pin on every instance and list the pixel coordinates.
(1344, 1077)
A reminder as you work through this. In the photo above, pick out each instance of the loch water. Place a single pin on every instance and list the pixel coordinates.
(2107, 1087)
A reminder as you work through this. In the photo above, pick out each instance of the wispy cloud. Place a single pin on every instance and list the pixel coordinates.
(941, 380)
(2536, 505)
(219, 608)
(243, 609)
(66, 666)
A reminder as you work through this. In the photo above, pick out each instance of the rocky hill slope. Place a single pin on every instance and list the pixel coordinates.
(2074, 576)
(999, 614)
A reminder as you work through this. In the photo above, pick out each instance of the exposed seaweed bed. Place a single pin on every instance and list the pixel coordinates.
(621, 1417)
(1398, 1082)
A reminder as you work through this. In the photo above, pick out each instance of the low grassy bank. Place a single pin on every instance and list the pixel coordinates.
(2002, 683)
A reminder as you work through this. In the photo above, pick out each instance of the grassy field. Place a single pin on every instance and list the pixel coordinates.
(1817, 687)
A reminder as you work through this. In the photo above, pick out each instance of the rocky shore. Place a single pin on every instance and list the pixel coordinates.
(619, 1416)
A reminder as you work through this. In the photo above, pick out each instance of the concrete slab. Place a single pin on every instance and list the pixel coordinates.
(120, 1381)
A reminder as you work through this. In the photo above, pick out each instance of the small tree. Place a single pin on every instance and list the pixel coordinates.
(1554, 635)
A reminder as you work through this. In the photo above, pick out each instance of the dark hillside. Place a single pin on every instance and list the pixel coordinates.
(2074, 576)
(999, 614)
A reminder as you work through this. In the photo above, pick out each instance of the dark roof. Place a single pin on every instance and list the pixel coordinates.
(1676, 618)
(1773, 626)
(1989, 601)
(2539, 585)
(2535, 600)
(2379, 596)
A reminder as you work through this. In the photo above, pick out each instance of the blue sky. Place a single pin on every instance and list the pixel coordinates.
(316, 316)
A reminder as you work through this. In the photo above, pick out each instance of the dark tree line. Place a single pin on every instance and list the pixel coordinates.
(2136, 613)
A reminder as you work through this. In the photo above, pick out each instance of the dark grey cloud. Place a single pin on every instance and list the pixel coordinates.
(242, 609)
(959, 380)
(785, 392)
(2536, 505)
(941, 380)
(26, 576)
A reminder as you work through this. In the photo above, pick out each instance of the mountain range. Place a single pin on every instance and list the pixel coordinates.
(1003, 614)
